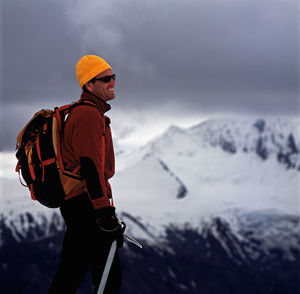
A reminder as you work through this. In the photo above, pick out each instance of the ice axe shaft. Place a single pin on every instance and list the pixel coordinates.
(107, 267)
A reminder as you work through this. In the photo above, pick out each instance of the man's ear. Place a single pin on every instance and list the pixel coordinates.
(89, 86)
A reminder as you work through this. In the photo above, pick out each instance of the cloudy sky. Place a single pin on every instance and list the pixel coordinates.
(177, 61)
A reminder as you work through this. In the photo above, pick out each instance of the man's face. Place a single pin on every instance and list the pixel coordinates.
(101, 89)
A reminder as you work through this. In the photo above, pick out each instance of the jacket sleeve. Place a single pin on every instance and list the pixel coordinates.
(87, 139)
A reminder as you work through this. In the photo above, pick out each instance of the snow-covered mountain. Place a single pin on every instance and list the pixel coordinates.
(222, 195)
(194, 170)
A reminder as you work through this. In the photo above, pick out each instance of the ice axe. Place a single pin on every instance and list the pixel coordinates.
(111, 255)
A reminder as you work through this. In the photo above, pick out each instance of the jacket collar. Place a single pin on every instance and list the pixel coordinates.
(101, 104)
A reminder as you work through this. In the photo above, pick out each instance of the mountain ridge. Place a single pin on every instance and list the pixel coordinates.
(232, 216)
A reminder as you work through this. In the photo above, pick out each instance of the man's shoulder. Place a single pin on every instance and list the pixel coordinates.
(83, 110)
(84, 114)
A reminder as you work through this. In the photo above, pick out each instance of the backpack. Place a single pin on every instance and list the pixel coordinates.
(40, 160)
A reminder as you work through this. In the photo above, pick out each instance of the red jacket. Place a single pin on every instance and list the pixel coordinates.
(87, 146)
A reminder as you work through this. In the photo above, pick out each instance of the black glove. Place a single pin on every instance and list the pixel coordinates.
(109, 225)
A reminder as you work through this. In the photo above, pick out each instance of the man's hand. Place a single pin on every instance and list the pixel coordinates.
(109, 225)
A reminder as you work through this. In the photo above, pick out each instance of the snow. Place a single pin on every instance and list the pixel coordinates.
(217, 182)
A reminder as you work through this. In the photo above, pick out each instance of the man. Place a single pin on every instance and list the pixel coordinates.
(89, 214)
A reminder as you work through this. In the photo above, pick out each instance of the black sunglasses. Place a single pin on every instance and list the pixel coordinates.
(105, 79)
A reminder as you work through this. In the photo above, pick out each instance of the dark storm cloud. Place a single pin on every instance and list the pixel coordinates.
(38, 51)
(193, 56)
(238, 55)
(158, 47)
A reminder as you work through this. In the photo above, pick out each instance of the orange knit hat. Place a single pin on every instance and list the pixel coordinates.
(88, 67)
